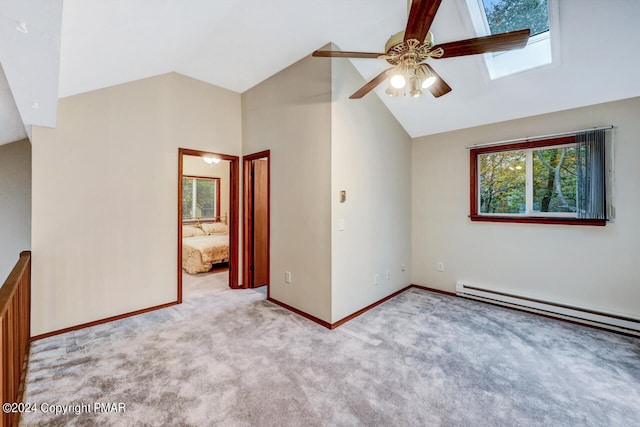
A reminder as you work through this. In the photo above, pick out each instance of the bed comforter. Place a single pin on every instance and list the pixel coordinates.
(199, 253)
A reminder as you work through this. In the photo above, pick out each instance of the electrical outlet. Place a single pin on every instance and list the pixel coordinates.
(440, 266)
(287, 277)
(402, 267)
(388, 274)
(376, 279)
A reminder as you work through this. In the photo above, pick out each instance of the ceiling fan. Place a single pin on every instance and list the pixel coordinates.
(407, 50)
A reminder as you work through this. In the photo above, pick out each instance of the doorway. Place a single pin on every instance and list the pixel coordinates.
(256, 179)
(208, 209)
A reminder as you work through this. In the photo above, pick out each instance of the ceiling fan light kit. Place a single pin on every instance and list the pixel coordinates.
(407, 50)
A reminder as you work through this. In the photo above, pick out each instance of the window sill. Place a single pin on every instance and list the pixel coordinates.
(538, 220)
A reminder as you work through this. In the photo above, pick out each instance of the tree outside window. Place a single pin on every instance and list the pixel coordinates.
(550, 181)
(512, 15)
(200, 198)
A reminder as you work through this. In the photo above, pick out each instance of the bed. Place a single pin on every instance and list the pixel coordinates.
(203, 245)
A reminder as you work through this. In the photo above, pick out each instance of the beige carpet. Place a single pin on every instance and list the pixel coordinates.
(195, 285)
(230, 358)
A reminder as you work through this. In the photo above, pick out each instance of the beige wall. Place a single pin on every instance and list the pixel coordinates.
(104, 199)
(194, 165)
(371, 161)
(290, 114)
(321, 142)
(15, 204)
(594, 267)
(105, 193)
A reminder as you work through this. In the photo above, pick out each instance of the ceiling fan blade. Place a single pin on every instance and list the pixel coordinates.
(339, 54)
(504, 41)
(439, 87)
(420, 19)
(371, 84)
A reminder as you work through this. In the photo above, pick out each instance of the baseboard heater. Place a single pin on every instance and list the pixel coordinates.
(613, 321)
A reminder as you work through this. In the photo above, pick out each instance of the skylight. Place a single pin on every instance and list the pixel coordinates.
(499, 16)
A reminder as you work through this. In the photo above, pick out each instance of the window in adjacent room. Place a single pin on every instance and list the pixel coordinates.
(200, 198)
(499, 16)
(561, 180)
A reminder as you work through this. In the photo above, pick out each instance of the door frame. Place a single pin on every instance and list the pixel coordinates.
(247, 235)
(234, 208)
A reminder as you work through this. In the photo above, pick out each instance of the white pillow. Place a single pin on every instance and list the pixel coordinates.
(215, 228)
(191, 230)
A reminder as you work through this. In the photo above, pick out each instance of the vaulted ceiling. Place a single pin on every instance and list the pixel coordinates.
(52, 49)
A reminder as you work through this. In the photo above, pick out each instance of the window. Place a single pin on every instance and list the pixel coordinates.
(499, 16)
(200, 198)
(561, 180)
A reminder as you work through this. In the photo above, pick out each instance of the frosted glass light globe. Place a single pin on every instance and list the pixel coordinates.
(428, 82)
(398, 81)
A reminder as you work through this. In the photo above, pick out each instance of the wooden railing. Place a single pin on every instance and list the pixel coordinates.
(15, 330)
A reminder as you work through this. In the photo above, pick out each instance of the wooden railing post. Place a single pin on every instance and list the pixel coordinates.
(15, 333)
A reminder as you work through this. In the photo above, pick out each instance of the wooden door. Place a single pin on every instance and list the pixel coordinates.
(260, 222)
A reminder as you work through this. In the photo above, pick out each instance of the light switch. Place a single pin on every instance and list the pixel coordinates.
(343, 196)
(341, 224)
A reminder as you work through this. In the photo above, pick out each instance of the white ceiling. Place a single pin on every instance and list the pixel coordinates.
(236, 44)
(11, 125)
(30, 56)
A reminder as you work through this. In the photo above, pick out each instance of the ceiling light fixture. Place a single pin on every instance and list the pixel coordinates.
(423, 71)
(397, 79)
(391, 91)
(414, 86)
(211, 160)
